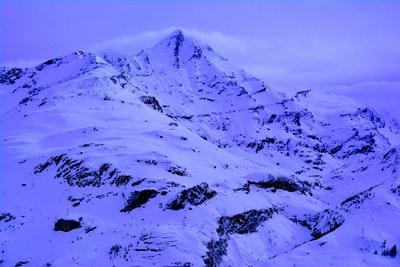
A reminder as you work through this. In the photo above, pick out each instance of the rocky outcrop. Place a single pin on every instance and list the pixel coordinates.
(9, 76)
(194, 196)
(216, 249)
(354, 145)
(279, 183)
(6, 217)
(356, 201)
(152, 102)
(391, 161)
(77, 174)
(321, 223)
(242, 223)
(138, 199)
(66, 225)
(177, 170)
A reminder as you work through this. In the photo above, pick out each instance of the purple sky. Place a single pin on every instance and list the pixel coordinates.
(315, 44)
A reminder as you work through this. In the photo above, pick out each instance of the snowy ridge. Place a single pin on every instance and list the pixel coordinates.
(175, 157)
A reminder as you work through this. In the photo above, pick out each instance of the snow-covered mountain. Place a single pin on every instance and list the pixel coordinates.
(175, 157)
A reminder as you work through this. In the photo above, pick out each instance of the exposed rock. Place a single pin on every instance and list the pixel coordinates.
(152, 102)
(66, 225)
(371, 116)
(120, 180)
(280, 183)
(391, 161)
(89, 229)
(355, 201)
(9, 76)
(195, 196)
(392, 252)
(179, 38)
(321, 223)
(259, 145)
(182, 264)
(243, 223)
(178, 170)
(6, 217)
(216, 249)
(138, 198)
(303, 93)
(21, 263)
(396, 190)
(48, 62)
(353, 145)
(77, 174)
(115, 251)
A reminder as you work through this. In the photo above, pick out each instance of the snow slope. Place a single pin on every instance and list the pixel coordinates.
(174, 157)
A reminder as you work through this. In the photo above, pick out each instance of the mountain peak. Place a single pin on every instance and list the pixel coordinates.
(244, 175)
(175, 41)
(180, 47)
(177, 35)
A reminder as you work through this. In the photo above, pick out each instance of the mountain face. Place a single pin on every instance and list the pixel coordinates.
(174, 157)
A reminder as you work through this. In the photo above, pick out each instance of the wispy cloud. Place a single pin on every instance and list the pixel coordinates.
(22, 63)
(307, 62)
(134, 43)
(380, 95)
